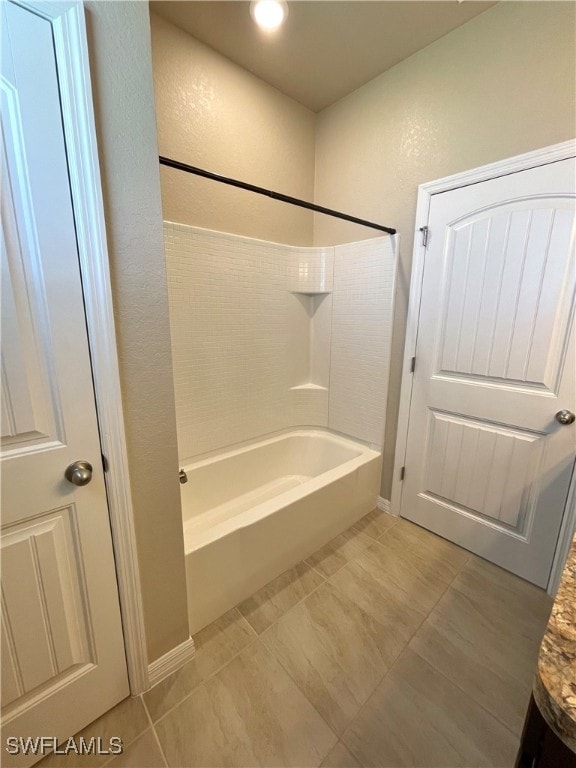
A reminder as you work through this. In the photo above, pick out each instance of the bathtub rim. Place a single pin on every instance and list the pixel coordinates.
(244, 446)
(204, 535)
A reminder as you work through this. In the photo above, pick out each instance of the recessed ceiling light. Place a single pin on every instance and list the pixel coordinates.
(269, 14)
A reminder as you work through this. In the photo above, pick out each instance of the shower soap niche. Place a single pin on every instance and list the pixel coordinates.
(310, 279)
(311, 271)
(309, 386)
(310, 342)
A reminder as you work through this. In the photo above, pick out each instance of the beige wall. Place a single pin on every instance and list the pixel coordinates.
(502, 84)
(216, 115)
(119, 40)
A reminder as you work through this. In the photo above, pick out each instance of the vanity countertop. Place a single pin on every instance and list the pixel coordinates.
(555, 681)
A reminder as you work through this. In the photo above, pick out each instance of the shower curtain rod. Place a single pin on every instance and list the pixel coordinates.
(269, 193)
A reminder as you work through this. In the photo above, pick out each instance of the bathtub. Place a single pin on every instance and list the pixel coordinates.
(253, 512)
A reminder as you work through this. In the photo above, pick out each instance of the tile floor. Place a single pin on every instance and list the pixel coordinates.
(388, 647)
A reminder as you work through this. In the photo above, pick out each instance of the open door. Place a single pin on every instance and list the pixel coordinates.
(63, 660)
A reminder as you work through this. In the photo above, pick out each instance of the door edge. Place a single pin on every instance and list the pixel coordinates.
(565, 536)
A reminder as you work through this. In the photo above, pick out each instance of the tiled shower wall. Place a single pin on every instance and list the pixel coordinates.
(361, 337)
(267, 336)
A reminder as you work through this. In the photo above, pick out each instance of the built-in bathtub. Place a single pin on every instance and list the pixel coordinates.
(255, 511)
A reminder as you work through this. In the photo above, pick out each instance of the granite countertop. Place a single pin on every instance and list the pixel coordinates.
(555, 681)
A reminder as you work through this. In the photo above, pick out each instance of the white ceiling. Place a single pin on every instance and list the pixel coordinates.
(325, 49)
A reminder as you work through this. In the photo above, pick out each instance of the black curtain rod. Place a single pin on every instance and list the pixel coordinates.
(269, 193)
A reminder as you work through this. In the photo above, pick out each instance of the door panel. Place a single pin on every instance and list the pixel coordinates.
(63, 661)
(487, 464)
(30, 411)
(483, 469)
(45, 627)
(504, 273)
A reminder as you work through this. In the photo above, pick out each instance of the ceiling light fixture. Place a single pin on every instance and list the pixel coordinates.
(269, 14)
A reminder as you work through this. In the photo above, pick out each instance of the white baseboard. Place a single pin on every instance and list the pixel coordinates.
(384, 505)
(171, 661)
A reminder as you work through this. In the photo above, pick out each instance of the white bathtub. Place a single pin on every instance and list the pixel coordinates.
(251, 513)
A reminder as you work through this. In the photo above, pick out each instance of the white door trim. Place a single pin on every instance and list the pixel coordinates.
(523, 162)
(71, 50)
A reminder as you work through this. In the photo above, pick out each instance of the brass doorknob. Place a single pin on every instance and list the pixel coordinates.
(79, 473)
(565, 417)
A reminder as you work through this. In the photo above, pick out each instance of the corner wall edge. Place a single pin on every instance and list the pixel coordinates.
(171, 661)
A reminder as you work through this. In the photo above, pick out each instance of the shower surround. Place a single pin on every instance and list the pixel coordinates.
(271, 342)
(268, 336)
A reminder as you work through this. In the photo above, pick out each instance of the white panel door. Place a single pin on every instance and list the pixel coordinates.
(487, 463)
(63, 660)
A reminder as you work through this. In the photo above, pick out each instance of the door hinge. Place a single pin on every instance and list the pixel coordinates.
(425, 232)
(412, 365)
(402, 473)
(104, 463)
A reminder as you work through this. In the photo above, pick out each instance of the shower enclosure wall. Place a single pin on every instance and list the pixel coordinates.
(281, 359)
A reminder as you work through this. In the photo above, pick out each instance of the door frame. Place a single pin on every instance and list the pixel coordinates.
(544, 156)
(72, 60)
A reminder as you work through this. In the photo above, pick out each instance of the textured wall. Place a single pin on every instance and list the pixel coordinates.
(119, 40)
(253, 356)
(216, 115)
(502, 84)
(361, 337)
